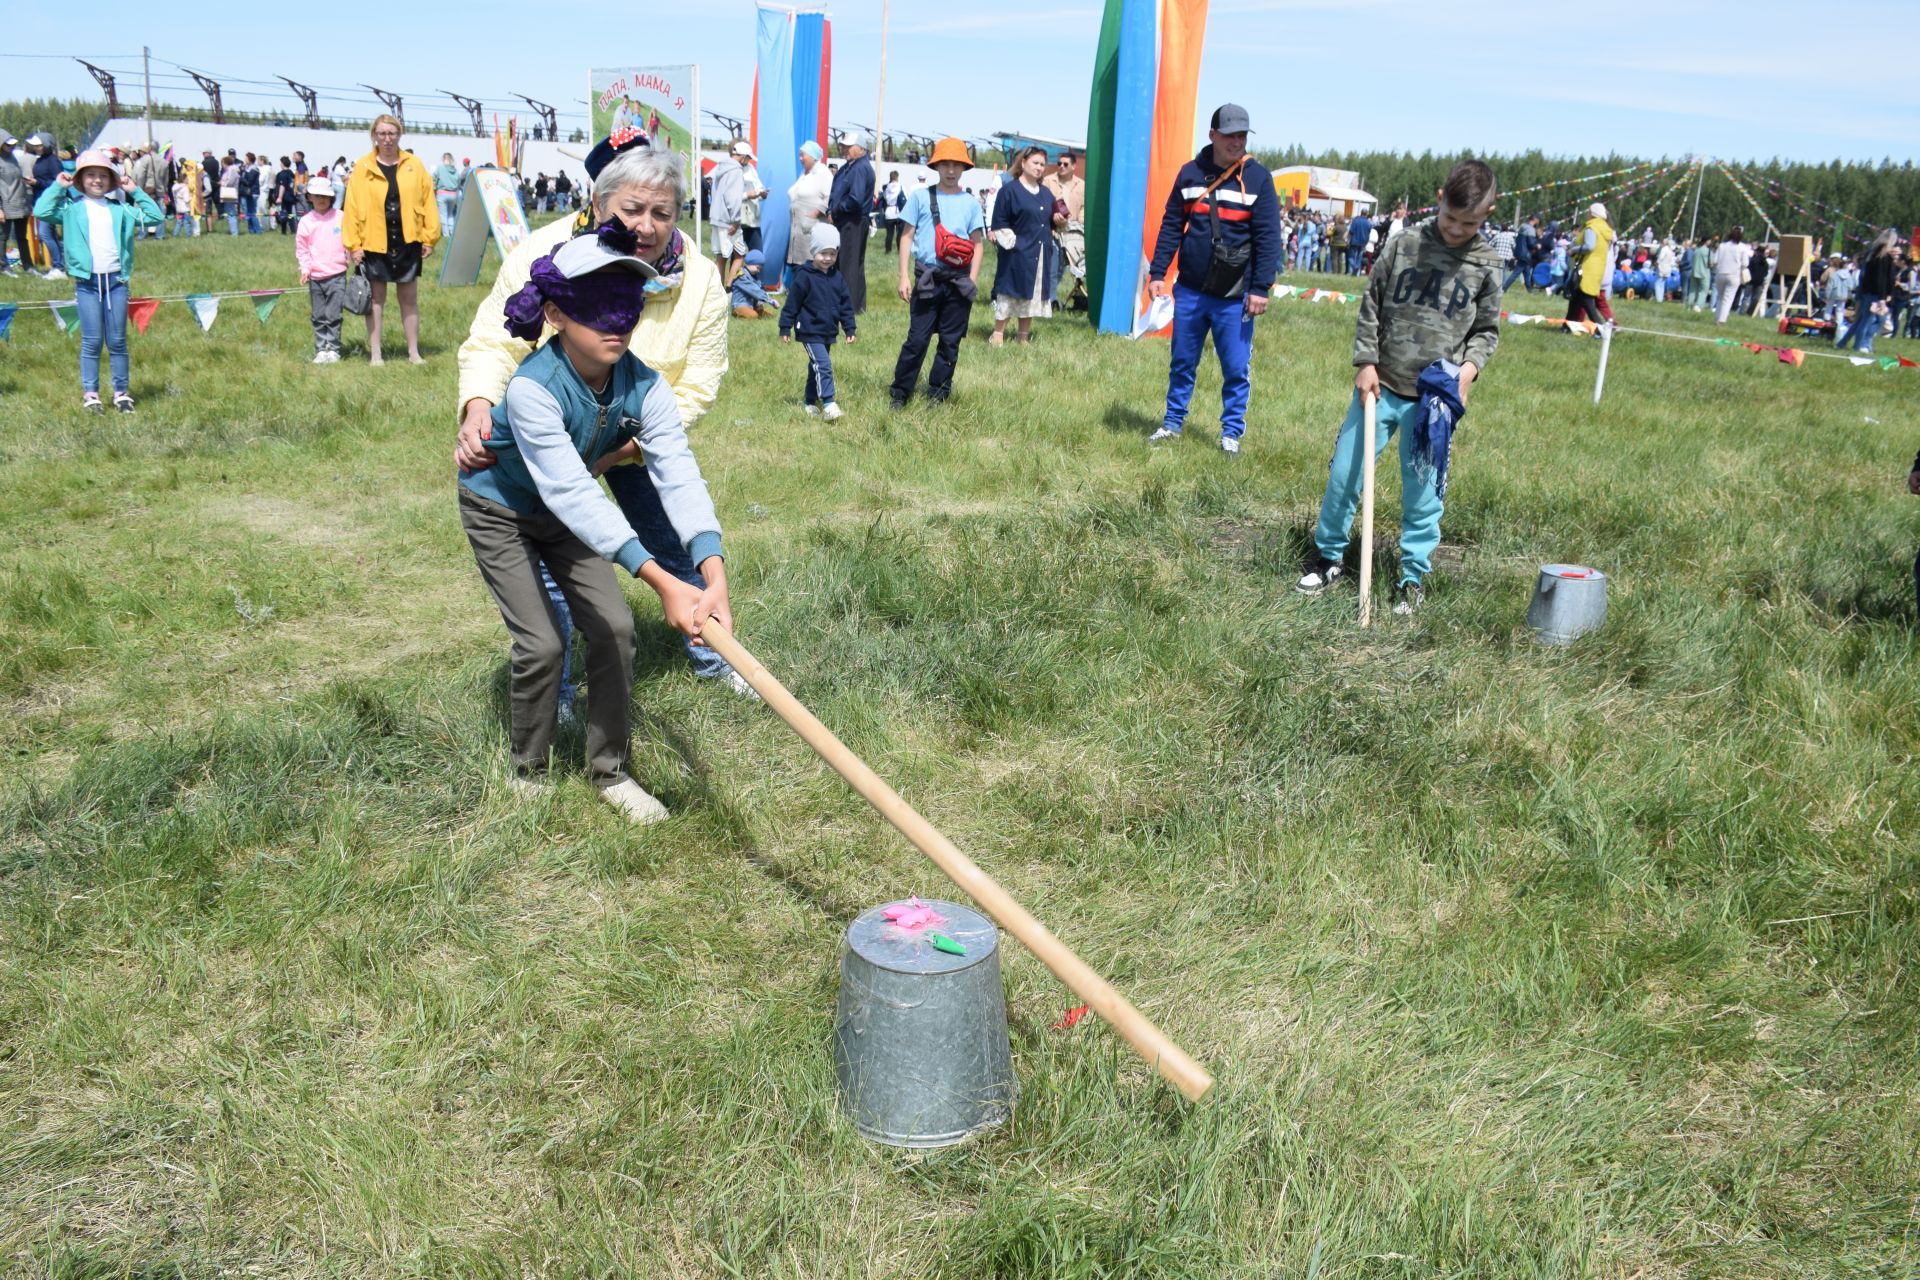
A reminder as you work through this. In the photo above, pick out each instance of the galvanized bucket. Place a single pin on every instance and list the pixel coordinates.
(1568, 601)
(920, 1036)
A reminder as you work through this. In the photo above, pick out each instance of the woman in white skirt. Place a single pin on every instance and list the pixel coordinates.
(1024, 216)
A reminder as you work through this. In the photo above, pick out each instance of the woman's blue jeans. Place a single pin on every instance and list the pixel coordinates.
(1866, 325)
(102, 303)
(639, 501)
(253, 214)
(227, 207)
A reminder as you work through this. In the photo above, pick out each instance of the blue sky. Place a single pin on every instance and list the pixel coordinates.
(1666, 78)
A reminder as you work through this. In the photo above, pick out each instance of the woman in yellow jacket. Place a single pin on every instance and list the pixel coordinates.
(1593, 254)
(389, 226)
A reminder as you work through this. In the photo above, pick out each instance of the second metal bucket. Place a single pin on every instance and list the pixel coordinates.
(1568, 601)
(920, 1035)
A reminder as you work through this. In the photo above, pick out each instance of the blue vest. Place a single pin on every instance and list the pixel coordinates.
(596, 429)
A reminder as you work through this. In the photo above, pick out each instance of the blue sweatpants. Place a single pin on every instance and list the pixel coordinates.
(1195, 315)
(632, 487)
(1420, 506)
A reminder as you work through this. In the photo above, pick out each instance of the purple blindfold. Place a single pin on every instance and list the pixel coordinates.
(609, 300)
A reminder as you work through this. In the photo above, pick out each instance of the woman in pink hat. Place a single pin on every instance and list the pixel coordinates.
(100, 212)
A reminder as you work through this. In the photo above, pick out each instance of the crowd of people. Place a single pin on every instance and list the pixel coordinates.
(604, 337)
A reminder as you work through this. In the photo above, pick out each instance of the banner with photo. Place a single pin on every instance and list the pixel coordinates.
(661, 102)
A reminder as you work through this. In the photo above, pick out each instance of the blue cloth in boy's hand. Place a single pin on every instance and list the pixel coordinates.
(1435, 421)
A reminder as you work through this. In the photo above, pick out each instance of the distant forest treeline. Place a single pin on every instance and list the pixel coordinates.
(1870, 195)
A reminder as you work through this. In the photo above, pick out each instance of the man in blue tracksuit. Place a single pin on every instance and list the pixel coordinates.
(1224, 221)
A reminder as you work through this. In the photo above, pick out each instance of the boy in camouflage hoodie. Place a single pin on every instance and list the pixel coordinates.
(1434, 295)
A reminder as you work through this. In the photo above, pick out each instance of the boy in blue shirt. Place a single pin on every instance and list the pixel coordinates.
(819, 305)
(940, 297)
(576, 406)
(747, 297)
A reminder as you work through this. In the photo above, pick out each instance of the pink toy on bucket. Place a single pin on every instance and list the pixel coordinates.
(913, 914)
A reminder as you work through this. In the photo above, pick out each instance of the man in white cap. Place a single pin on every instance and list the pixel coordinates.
(14, 205)
(727, 209)
(848, 205)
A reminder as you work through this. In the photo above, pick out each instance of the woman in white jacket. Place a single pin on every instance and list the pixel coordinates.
(1729, 268)
(806, 205)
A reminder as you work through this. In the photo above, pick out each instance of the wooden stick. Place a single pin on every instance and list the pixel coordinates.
(1367, 405)
(1152, 1044)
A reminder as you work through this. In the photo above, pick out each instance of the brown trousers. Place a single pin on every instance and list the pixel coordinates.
(508, 547)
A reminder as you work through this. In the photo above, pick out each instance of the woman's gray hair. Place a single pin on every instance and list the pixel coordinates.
(1887, 242)
(641, 167)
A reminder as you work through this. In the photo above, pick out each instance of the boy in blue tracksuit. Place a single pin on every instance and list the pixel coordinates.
(1223, 219)
(819, 305)
(575, 407)
(1429, 322)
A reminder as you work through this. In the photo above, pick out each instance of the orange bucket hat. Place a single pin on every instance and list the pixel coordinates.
(950, 149)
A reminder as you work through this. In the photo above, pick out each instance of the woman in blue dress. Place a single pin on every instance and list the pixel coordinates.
(1023, 223)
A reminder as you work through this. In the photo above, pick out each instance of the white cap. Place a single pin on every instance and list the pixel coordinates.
(319, 186)
(584, 255)
(741, 147)
(853, 138)
(823, 239)
(12, 141)
(1596, 210)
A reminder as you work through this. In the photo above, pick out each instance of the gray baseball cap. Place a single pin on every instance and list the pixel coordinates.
(584, 255)
(1231, 118)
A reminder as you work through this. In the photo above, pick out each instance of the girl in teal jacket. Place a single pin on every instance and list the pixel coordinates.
(99, 212)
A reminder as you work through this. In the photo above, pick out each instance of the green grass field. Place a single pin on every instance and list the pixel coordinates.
(1511, 961)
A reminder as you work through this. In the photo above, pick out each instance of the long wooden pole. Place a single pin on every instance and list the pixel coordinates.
(1367, 406)
(1152, 1044)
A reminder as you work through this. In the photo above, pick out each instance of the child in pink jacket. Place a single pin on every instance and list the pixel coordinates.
(322, 256)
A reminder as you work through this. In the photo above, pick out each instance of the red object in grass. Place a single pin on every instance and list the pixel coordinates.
(1072, 1017)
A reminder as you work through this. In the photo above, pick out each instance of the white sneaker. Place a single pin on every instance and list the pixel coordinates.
(526, 788)
(333, 357)
(1163, 435)
(633, 802)
(1322, 574)
(738, 683)
(832, 412)
(1229, 444)
(319, 357)
(811, 410)
(52, 274)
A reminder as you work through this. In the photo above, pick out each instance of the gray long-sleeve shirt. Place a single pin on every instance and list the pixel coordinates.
(571, 493)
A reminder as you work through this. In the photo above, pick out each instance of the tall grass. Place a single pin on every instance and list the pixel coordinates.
(1511, 961)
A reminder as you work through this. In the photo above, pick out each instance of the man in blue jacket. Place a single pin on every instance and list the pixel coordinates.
(1224, 221)
(46, 172)
(847, 205)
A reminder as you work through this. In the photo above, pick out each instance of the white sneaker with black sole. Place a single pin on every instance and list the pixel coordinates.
(1407, 599)
(634, 802)
(1321, 575)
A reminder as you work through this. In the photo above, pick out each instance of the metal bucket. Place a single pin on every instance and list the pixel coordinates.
(1568, 601)
(920, 1035)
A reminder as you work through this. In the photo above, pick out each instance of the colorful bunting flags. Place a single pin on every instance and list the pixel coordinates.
(205, 308)
(66, 315)
(7, 310)
(1793, 356)
(140, 311)
(263, 301)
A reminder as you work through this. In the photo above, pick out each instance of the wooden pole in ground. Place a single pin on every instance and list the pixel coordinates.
(1367, 405)
(1152, 1044)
